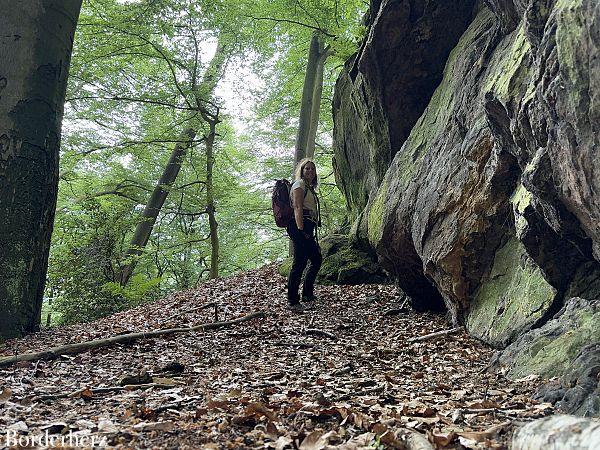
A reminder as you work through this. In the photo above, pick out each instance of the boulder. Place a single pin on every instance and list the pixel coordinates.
(567, 346)
(488, 204)
(343, 263)
(443, 209)
(472, 172)
(384, 89)
(577, 391)
(512, 298)
(560, 432)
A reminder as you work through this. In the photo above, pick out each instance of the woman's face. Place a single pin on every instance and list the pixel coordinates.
(309, 172)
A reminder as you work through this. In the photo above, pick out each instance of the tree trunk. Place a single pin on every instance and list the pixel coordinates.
(35, 51)
(210, 201)
(308, 92)
(316, 102)
(154, 205)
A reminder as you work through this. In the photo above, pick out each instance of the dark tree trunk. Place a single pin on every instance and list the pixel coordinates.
(35, 50)
(154, 205)
(210, 200)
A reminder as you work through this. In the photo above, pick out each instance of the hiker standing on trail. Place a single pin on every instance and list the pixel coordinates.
(302, 232)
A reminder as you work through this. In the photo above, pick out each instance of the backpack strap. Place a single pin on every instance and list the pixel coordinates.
(316, 197)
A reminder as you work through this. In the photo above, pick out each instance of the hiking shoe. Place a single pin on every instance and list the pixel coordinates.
(296, 307)
(309, 298)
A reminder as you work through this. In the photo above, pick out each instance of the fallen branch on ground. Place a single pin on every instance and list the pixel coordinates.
(293, 344)
(87, 392)
(81, 347)
(433, 335)
(317, 332)
(177, 404)
(412, 440)
(403, 308)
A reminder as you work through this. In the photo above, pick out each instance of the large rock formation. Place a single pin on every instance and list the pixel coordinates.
(383, 91)
(482, 193)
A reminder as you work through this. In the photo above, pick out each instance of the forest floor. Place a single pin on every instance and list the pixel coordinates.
(342, 375)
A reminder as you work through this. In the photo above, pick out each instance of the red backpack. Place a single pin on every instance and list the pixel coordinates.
(280, 200)
(281, 203)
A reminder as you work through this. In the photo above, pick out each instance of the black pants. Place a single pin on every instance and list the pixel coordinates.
(305, 249)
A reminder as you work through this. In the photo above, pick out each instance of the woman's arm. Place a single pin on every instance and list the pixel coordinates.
(298, 205)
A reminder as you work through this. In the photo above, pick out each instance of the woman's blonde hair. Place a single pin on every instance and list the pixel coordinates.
(300, 167)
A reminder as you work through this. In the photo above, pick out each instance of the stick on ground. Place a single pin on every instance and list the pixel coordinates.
(433, 335)
(318, 332)
(81, 347)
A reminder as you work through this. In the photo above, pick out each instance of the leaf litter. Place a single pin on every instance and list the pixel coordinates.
(344, 374)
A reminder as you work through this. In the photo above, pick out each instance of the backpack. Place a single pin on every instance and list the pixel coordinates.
(280, 201)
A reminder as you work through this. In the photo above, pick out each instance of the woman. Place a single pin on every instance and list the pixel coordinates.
(302, 233)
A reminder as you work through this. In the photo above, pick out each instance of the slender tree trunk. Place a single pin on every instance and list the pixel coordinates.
(211, 77)
(154, 205)
(316, 102)
(308, 92)
(35, 50)
(212, 74)
(210, 201)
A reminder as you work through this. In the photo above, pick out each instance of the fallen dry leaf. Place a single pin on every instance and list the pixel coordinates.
(5, 395)
(443, 439)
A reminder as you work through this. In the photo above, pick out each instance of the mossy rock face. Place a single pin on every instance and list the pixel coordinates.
(577, 392)
(586, 282)
(567, 346)
(512, 298)
(551, 350)
(383, 90)
(343, 263)
(488, 198)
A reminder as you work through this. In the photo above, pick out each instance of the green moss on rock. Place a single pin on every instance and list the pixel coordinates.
(551, 350)
(520, 200)
(549, 357)
(510, 71)
(511, 299)
(343, 263)
(376, 214)
(570, 31)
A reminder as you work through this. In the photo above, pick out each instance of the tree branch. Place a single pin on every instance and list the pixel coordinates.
(133, 99)
(71, 349)
(294, 22)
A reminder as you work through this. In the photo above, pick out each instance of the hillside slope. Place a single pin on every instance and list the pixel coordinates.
(342, 373)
